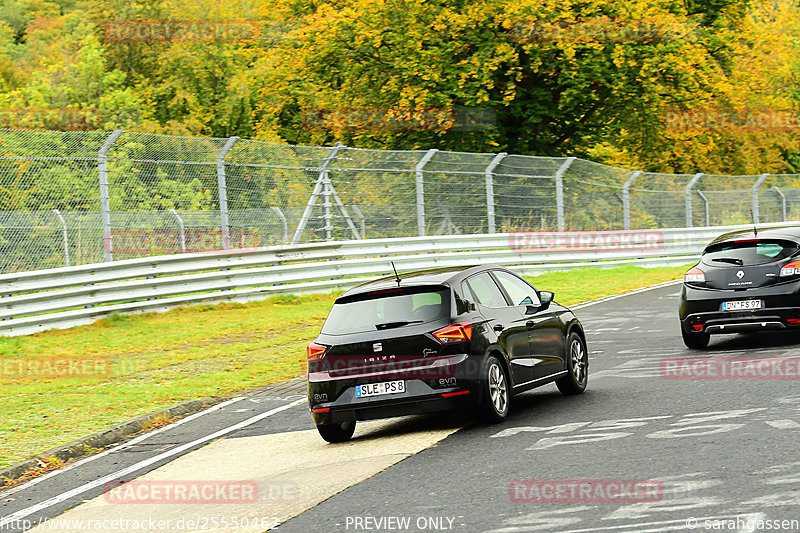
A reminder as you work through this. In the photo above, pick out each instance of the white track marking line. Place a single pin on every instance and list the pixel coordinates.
(119, 447)
(55, 500)
(615, 296)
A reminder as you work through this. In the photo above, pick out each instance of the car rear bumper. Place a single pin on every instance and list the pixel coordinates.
(701, 310)
(419, 398)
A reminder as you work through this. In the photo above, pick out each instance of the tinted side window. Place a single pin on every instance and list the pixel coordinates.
(486, 290)
(520, 292)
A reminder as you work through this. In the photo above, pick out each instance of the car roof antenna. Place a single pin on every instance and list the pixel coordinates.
(395, 274)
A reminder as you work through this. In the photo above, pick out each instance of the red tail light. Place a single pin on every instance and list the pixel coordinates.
(792, 269)
(793, 321)
(458, 332)
(694, 275)
(697, 327)
(315, 351)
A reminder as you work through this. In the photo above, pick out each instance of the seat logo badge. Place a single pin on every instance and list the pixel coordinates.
(377, 347)
(740, 274)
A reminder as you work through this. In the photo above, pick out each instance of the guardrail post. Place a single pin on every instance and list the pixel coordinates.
(64, 237)
(783, 202)
(222, 188)
(756, 185)
(181, 228)
(490, 190)
(105, 205)
(321, 186)
(705, 206)
(626, 199)
(421, 191)
(688, 201)
(560, 192)
(283, 221)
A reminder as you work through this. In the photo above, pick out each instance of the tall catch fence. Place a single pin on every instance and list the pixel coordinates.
(69, 198)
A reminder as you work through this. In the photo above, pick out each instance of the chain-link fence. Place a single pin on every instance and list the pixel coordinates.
(70, 198)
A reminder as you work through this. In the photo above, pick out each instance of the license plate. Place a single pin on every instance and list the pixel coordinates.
(378, 389)
(741, 305)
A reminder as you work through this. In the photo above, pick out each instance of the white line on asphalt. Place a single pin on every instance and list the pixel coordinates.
(55, 500)
(119, 447)
(615, 296)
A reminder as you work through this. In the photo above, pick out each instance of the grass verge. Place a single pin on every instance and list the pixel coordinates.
(58, 386)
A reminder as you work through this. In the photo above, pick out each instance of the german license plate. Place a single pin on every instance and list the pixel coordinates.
(379, 389)
(741, 305)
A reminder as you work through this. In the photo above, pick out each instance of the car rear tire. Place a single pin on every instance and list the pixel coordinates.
(341, 432)
(577, 367)
(496, 394)
(695, 341)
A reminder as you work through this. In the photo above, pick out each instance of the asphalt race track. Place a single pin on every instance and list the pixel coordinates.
(664, 439)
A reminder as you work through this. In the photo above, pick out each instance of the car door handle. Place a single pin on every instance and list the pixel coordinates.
(530, 323)
(499, 327)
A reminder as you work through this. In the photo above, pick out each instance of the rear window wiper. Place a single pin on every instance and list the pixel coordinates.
(732, 260)
(398, 324)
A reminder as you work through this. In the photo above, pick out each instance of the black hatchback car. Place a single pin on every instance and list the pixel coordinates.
(436, 340)
(746, 281)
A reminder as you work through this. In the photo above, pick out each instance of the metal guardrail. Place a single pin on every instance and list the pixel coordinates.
(65, 297)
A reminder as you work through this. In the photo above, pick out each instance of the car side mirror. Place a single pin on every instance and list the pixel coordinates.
(546, 298)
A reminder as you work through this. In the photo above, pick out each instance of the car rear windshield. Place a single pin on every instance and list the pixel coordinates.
(749, 252)
(387, 309)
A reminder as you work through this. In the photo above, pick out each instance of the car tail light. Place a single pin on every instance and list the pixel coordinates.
(793, 321)
(458, 332)
(697, 327)
(792, 269)
(315, 351)
(694, 275)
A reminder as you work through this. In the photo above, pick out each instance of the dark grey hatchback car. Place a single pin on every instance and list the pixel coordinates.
(746, 281)
(440, 339)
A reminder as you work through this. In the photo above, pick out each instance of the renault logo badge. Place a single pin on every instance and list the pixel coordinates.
(740, 274)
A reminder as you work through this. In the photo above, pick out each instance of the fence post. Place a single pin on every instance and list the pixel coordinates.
(560, 192)
(490, 189)
(222, 188)
(688, 200)
(421, 191)
(362, 221)
(783, 202)
(105, 205)
(181, 228)
(64, 237)
(626, 199)
(761, 179)
(705, 207)
(321, 186)
(283, 221)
